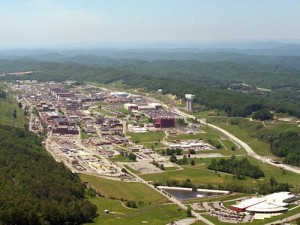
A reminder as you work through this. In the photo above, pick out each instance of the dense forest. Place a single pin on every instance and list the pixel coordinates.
(34, 189)
(239, 168)
(287, 144)
(214, 83)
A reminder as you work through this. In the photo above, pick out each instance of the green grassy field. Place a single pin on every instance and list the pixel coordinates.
(252, 132)
(147, 137)
(120, 158)
(260, 147)
(104, 112)
(127, 190)
(132, 170)
(154, 203)
(200, 175)
(277, 173)
(212, 112)
(123, 110)
(83, 134)
(154, 214)
(228, 144)
(198, 223)
(154, 145)
(7, 107)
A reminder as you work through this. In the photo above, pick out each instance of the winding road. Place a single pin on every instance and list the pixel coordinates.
(244, 145)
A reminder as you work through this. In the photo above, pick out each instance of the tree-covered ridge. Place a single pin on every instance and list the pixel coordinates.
(233, 103)
(267, 75)
(239, 168)
(34, 189)
(287, 144)
(178, 78)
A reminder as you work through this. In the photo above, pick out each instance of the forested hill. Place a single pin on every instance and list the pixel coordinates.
(209, 81)
(223, 72)
(265, 72)
(34, 189)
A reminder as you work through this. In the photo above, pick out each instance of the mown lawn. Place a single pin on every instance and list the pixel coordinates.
(155, 136)
(249, 131)
(200, 175)
(155, 208)
(127, 190)
(104, 112)
(153, 214)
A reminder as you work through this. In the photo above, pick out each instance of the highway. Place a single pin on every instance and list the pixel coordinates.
(244, 145)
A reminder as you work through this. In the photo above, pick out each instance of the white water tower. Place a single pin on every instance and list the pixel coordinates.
(189, 101)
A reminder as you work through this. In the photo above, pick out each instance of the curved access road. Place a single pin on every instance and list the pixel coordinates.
(169, 197)
(244, 145)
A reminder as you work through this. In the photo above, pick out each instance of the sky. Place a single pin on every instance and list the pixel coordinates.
(88, 23)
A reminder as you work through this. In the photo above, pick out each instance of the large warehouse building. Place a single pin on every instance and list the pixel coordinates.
(273, 203)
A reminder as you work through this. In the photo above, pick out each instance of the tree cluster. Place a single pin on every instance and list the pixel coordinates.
(239, 168)
(182, 161)
(263, 114)
(287, 144)
(176, 151)
(132, 156)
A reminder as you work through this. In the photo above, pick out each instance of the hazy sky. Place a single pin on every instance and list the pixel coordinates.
(38, 23)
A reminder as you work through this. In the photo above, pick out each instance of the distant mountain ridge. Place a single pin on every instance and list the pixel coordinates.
(159, 50)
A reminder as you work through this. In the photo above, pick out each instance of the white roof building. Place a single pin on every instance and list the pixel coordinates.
(272, 203)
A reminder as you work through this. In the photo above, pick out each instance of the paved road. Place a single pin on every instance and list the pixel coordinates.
(248, 149)
(172, 199)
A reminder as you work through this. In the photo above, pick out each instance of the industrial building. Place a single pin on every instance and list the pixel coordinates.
(189, 102)
(65, 130)
(130, 106)
(150, 106)
(272, 203)
(164, 122)
(120, 94)
(197, 145)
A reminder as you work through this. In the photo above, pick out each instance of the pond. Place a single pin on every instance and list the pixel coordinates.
(188, 193)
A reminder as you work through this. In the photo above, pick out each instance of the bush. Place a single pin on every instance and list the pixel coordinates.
(131, 204)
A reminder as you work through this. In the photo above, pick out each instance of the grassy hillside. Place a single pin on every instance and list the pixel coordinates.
(149, 203)
(7, 107)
